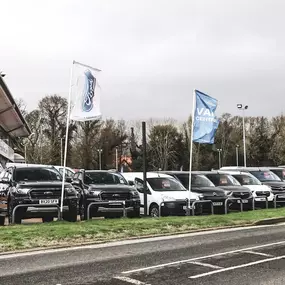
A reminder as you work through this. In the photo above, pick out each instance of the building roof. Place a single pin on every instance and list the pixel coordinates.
(11, 118)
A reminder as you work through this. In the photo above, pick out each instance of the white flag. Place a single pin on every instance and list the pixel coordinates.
(85, 93)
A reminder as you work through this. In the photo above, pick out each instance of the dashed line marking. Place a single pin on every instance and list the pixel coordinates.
(202, 257)
(258, 253)
(206, 264)
(131, 280)
(236, 267)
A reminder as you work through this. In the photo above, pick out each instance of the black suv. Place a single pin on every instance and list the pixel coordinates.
(202, 185)
(105, 186)
(38, 185)
(232, 186)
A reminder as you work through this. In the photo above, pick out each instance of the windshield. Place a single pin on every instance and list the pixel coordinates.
(246, 179)
(196, 180)
(104, 178)
(165, 184)
(223, 180)
(37, 174)
(265, 176)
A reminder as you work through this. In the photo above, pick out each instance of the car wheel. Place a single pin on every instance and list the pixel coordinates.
(82, 211)
(71, 215)
(2, 220)
(47, 219)
(11, 206)
(154, 211)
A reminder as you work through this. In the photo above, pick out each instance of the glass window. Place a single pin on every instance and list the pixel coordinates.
(223, 180)
(37, 174)
(104, 178)
(265, 176)
(165, 184)
(246, 179)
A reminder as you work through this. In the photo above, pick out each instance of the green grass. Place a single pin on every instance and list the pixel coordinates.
(96, 231)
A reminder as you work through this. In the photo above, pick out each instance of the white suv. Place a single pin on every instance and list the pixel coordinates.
(164, 190)
(259, 191)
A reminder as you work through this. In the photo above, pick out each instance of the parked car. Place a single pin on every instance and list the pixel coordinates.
(105, 186)
(279, 171)
(266, 177)
(230, 184)
(38, 185)
(258, 190)
(162, 188)
(203, 185)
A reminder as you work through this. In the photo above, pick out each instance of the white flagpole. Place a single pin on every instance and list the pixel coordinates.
(66, 142)
(191, 147)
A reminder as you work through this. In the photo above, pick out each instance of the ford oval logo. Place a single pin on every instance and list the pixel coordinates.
(48, 193)
(116, 195)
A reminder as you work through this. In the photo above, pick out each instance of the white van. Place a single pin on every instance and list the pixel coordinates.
(161, 188)
(258, 190)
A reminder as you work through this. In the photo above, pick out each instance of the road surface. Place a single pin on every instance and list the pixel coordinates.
(253, 255)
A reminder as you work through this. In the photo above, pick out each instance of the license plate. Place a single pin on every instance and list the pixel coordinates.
(116, 204)
(243, 201)
(49, 201)
(260, 199)
(281, 196)
(217, 203)
(184, 207)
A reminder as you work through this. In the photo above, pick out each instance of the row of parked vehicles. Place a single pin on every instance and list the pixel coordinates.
(24, 187)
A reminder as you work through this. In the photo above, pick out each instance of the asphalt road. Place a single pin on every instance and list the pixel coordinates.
(234, 256)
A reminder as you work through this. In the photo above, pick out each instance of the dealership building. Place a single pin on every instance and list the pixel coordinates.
(12, 125)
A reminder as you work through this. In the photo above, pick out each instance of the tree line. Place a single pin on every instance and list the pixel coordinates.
(168, 141)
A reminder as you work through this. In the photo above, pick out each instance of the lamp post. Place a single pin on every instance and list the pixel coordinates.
(219, 150)
(237, 146)
(100, 157)
(116, 158)
(243, 108)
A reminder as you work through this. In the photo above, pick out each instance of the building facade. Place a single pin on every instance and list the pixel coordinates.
(12, 124)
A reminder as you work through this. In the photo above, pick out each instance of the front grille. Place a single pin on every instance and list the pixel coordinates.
(115, 196)
(262, 193)
(243, 195)
(45, 193)
(278, 188)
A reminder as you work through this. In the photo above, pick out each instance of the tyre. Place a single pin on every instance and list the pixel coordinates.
(2, 220)
(82, 211)
(18, 218)
(154, 211)
(134, 214)
(71, 215)
(47, 219)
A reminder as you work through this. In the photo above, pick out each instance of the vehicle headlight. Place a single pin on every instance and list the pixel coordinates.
(95, 193)
(22, 191)
(70, 190)
(201, 196)
(135, 194)
(229, 193)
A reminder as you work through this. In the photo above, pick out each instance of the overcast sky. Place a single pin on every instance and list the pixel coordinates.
(152, 52)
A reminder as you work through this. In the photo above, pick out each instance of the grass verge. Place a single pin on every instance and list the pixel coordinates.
(97, 231)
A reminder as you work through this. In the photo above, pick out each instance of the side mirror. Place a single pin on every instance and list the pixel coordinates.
(77, 183)
(131, 183)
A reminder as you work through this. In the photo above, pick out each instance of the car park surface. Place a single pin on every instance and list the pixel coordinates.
(252, 255)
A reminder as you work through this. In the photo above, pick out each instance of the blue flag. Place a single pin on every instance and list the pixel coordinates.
(205, 120)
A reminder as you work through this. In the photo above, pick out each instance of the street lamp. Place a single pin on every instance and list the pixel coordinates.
(219, 150)
(243, 108)
(100, 157)
(116, 158)
(237, 146)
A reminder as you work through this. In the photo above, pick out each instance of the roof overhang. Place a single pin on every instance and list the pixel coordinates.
(11, 118)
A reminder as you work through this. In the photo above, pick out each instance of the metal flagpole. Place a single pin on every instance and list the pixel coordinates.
(66, 141)
(191, 149)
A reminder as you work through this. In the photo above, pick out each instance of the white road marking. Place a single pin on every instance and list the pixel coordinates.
(236, 267)
(206, 264)
(202, 257)
(131, 280)
(259, 253)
